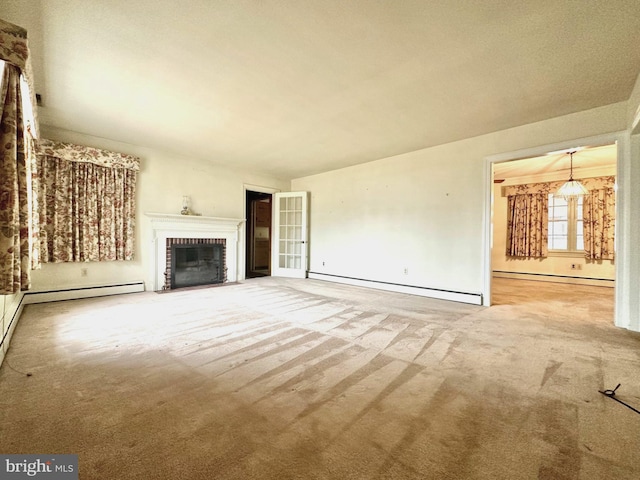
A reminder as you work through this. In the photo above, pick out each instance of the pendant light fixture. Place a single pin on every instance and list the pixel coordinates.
(571, 188)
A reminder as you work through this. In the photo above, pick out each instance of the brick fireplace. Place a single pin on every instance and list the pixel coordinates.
(195, 261)
(170, 230)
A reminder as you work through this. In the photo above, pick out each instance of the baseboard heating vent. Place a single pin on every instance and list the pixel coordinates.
(75, 293)
(454, 296)
(10, 325)
(543, 277)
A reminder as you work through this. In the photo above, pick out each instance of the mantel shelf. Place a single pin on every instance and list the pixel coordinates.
(173, 217)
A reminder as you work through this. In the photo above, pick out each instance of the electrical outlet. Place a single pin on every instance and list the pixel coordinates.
(323, 264)
(406, 270)
(576, 266)
(83, 272)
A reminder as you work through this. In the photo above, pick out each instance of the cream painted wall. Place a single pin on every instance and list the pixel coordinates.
(424, 210)
(162, 181)
(551, 265)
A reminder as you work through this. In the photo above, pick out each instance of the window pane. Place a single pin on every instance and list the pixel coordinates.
(559, 202)
(558, 243)
(558, 228)
(558, 213)
(579, 234)
(579, 209)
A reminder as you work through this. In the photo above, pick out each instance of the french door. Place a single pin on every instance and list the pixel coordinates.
(289, 252)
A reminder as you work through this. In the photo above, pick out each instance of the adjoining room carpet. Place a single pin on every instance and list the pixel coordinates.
(281, 378)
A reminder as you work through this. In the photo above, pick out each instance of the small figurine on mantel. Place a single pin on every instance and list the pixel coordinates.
(185, 206)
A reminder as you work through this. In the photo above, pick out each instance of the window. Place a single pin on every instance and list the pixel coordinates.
(87, 203)
(565, 225)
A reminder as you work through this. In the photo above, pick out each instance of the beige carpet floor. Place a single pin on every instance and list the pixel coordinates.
(280, 378)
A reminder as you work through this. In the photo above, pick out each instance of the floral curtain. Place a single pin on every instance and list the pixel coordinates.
(599, 213)
(87, 203)
(17, 164)
(527, 225)
(14, 49)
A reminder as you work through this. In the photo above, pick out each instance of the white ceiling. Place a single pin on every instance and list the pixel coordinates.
(296, 87)
(586, 159)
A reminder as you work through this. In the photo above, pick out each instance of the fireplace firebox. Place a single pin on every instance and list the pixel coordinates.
(195, 264)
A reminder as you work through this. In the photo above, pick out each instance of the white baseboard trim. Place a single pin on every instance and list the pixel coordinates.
(10, 318)
(462, 297)
(595, 282)
(75, 293)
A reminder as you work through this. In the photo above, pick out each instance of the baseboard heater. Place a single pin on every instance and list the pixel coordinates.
(455, 296)
(544, 277)
(75, 293)
(10, 327)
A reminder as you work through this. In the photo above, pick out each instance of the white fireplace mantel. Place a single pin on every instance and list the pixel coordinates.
(168, 225)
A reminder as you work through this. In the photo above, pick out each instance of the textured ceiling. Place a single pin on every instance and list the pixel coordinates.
(296, 87)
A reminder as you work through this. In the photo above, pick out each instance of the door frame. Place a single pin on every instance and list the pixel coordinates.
(242, 271)
(623, 272)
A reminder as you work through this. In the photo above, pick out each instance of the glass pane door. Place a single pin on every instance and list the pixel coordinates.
(290, 252)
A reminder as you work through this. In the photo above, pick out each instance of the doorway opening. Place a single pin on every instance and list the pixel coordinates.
(258, 234)
(565, 261)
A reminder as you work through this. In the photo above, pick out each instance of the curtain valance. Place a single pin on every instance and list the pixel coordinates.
(82, 154)
(593, 183)
(14, 49)
(13, 44)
